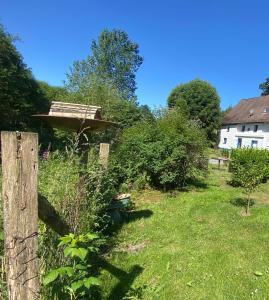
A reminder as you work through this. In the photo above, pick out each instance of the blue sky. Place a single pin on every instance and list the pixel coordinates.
(222, 41)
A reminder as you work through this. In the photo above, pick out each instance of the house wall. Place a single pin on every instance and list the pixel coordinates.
(235, 132)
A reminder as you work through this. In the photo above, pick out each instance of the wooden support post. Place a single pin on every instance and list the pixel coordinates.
(19, 191)
(103, 154)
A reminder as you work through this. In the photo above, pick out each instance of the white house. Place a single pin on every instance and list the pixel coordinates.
(246, 125)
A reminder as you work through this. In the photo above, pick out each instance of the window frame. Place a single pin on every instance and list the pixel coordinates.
(254, 142)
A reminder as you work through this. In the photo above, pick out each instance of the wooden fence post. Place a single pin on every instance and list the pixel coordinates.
(103, 154)
(19, 191)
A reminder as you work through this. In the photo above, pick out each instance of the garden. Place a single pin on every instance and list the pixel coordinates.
(157, 221)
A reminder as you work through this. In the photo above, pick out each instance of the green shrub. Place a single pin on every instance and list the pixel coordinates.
(249, 168)
(246, 158)
(76, 278)
(164, 154)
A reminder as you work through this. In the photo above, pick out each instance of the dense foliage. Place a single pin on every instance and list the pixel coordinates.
(163, 154)
(76, 278)
(265, 87)
(256, 159)
(81, 195)
(114, 59)
(249, 168)
(20, 94)
(198, 99)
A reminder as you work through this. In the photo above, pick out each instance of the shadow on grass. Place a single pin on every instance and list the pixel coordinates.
(137, 215)
(194, 184)
(126, 280)
(241, 202)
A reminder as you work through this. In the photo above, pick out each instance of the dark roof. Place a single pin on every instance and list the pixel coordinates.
(250, 110)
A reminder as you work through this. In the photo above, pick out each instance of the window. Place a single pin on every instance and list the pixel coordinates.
(243, 128)
(254, 144)
(225, 141)
(256, 128)
(266, 110)
(239, 143)
(228, 128)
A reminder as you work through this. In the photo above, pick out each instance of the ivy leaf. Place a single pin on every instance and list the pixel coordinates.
(51, 276)
(258, 273)
(88, 282)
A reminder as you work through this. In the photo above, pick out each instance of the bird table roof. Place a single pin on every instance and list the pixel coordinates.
(75, 117)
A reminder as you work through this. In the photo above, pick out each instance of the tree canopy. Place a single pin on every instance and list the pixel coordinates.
(20, 95)
(114, 59)
(200, 100)
(265, 87)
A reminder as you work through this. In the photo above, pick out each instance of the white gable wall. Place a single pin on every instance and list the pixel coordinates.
(261, 137)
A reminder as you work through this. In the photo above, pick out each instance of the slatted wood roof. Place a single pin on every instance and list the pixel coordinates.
(75, 117)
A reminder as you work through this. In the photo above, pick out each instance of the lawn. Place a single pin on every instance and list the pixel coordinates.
(192, 245)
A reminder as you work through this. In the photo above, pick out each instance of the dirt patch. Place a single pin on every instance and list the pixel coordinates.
(244, 214)
(133, 248)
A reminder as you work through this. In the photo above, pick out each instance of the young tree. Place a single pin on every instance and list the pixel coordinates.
(249, 169)
(202, 101)
(265, 87)
(114, 59)
(249, 177)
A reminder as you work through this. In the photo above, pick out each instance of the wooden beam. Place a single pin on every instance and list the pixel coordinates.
(104, 154)
(19, 191)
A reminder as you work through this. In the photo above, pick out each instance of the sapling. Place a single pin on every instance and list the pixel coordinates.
(249, 177)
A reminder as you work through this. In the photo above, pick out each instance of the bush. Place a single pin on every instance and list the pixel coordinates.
(249, 158)
(164, 154)
(249, 168)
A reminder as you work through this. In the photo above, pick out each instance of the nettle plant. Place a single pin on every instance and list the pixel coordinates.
(76, 279)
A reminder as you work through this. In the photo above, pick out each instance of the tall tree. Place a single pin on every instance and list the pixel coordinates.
(200, 100)
(115, 59)
(53, 93)
(20, 96)
(265, 87)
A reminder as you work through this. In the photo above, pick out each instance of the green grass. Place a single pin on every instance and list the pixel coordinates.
(195, 245)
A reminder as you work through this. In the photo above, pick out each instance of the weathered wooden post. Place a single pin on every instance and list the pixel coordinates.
(19, 191)
(103, 154)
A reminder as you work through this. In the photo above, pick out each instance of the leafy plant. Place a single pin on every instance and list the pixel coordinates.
(75, 279)
(249, 168)
(165, 153)
(199, 99)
